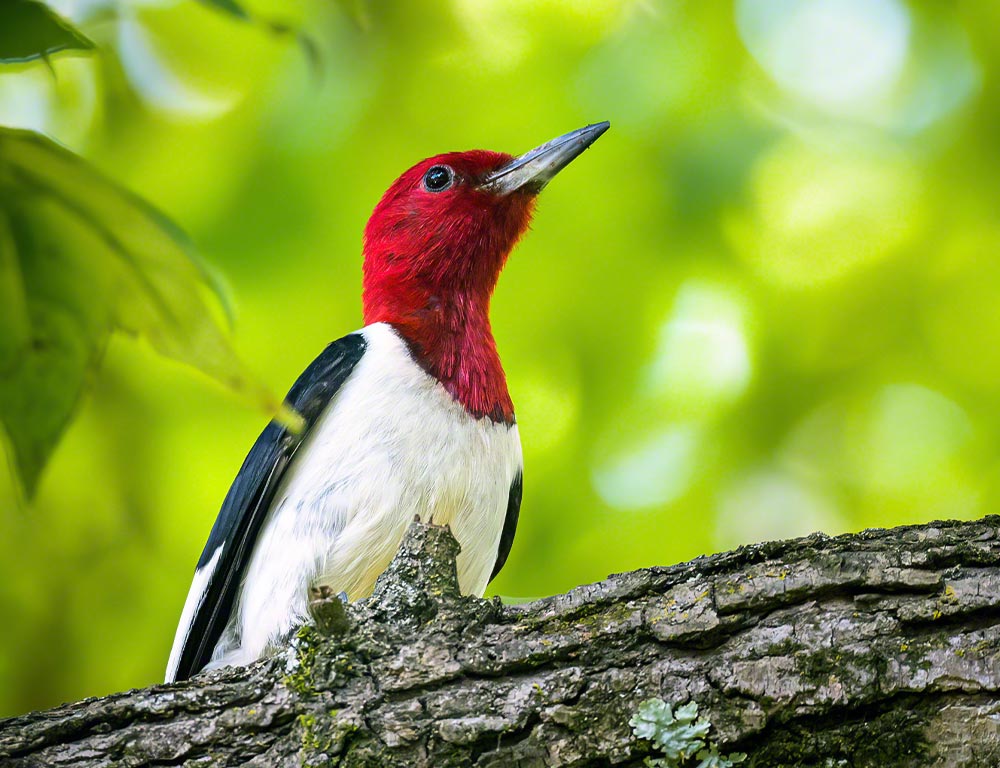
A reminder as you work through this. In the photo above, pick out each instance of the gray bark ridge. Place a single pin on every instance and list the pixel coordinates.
(875, 649)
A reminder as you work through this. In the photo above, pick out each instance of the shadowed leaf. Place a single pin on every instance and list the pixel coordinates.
(30, 30)
(79, 258)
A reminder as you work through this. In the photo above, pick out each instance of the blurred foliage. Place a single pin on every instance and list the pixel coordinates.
(81, 257)
(762, 305)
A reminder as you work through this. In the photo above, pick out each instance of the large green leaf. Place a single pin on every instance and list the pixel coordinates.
(79, 258)
(30, 30)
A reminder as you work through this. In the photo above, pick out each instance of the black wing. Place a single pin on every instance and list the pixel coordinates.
(509, 524)
(249, 499)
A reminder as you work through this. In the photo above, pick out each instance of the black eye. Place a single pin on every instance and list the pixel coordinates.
(438, 178)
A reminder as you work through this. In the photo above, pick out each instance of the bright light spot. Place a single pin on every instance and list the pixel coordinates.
(902, 441)
(702, 353)
(910, 435)
(503, 32)
(158, 85)
(768, 505)
(63, 104)
(817, 217)
(653, 472)
(835, 53)
(496, 37)
(897, 452)
(26, 100)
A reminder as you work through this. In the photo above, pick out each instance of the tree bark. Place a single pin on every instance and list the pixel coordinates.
(876, 649)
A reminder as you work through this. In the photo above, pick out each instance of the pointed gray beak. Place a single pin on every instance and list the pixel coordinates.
(533, 170)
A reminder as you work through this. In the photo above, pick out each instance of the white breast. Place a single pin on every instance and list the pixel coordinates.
(391, 445)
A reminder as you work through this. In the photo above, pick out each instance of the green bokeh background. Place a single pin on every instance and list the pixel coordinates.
(764, 304)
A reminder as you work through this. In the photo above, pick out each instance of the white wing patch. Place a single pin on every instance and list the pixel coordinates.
(195, 595)
(392, 444)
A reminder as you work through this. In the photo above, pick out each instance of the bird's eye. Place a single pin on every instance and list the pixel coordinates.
(438, 178)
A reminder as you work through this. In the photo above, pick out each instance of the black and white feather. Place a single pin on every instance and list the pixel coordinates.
(383, 442)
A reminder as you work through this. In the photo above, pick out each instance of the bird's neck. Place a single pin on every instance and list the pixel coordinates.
(450, 337)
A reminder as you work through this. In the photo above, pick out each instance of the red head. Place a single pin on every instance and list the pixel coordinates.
(434, 249)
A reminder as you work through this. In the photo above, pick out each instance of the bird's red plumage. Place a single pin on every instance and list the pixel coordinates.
(432, 260)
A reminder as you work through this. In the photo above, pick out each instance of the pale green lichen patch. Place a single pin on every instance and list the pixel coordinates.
(680, 735)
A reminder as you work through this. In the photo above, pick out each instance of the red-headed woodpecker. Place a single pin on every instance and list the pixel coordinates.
(410, 416)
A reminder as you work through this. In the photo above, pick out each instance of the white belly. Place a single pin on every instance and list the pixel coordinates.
(391, 445)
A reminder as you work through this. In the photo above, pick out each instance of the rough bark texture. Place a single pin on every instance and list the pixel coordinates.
(877, 649)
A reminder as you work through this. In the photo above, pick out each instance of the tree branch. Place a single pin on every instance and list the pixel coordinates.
(876, 649)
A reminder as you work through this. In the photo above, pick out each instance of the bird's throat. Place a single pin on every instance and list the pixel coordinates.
(452, 340)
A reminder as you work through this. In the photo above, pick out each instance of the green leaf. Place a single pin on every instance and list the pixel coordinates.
(43, 371)
(30, 30)
(80, 257)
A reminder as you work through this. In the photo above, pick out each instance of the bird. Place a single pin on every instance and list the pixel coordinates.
(409, 417)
